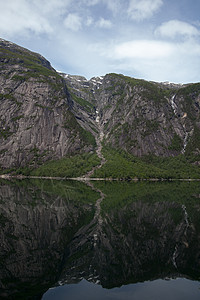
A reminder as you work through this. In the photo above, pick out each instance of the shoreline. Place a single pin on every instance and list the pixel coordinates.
(86, 179)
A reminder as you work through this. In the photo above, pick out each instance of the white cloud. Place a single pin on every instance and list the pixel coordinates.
(73, 22)
(103, 23)
(175, 28)
(143, 9)
(89, 21)
(143, 49)
(91, 2)
(151, 59)
(22, 17)
(53, 7)
(114, 5)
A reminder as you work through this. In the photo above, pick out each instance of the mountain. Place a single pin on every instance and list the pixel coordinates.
(138, 116)
(35, 115)
(48, 115)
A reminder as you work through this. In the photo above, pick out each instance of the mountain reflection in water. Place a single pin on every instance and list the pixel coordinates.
(49, 236)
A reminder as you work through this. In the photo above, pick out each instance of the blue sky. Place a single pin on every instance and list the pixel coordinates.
(156, 40)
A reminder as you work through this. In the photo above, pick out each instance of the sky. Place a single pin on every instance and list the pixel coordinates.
(157, 40)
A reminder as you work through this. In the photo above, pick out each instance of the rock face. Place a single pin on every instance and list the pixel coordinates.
(45, 114)
(36, 123)
(143, 117)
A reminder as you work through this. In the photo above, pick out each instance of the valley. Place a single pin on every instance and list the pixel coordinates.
(59, 125)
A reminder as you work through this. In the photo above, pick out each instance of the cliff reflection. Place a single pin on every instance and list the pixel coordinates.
(38, 220)
(48, 234)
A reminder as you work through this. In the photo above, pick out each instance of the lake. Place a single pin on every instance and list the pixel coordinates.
(105, 240)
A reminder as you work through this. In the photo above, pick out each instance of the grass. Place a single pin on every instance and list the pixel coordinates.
(126, 166)
(73, 166)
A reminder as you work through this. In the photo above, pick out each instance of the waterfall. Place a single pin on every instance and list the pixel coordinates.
(185, 142)
(173, 104)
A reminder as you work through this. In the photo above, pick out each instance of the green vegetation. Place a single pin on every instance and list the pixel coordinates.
(17, 118)
(71, 123)
(28, 59)
(150, 127)
(176, 143)
(31, 65)
(149, 90)
(126, 166)
(6, 96)
(84, 103)
(194, 143)
(189, 93)
(71, 191)
(73, 166)
(5, 132)
(121, 194)
(119, 165)
(68, 190)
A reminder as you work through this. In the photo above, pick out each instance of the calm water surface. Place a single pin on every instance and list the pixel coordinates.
(67, 240)
(179, 289)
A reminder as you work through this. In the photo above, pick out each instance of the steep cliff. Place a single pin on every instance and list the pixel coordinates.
(143, 117)
(36, 123)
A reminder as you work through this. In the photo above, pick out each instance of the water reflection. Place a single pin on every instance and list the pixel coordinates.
(179, 289)
(49, 235)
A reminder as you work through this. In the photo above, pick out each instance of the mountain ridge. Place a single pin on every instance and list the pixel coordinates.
(48, 115)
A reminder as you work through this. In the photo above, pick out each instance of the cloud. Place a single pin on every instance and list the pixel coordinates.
(175, 28)
(66, 33)
(53, 7)
(73, 22)
(151, 59)
(23, 17)
(143, 49)
(103, 23)
(91, 2)
(89, 21)
(143, 9)
(114, 5)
